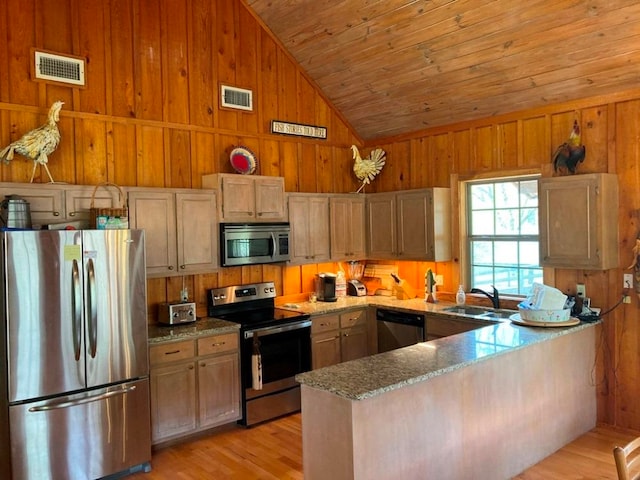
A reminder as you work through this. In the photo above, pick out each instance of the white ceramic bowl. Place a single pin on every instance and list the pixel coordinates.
(545, 315)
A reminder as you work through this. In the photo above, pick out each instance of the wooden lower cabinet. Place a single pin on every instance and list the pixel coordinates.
(340, 337)
(438, 327)
(195, 384)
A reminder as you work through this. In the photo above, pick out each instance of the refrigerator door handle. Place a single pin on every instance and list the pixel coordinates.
(73, 403)
(92, 308)
(76, 307)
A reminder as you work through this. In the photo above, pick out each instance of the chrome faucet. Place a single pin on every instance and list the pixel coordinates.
(495, 299)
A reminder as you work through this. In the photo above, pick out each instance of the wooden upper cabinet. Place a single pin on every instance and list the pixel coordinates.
(381, 225)
(309, 218)
(197, 232)
(347, 214)
(61, 203)
(180, 229)
(410, 225)
(248, 198)
(579, 221)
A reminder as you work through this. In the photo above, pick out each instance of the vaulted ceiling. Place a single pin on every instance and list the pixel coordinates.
(398, 66)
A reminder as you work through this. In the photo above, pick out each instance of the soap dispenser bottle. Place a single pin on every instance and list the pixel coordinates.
(460, 296)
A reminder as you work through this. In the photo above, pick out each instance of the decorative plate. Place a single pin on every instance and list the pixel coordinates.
(243, 160)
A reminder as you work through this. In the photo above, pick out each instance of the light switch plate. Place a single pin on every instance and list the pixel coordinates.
(581, 291)
(627, 280)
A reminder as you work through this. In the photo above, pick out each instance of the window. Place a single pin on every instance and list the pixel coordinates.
(502, 233)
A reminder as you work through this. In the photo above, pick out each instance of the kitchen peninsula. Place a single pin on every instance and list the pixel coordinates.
(484, 404)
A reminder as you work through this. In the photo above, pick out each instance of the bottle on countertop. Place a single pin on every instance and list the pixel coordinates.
(460, 296)
(341, 284)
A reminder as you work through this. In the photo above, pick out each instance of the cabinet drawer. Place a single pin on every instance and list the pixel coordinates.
(325, 323)
(217, 344)
(352, 319)
(171, 352)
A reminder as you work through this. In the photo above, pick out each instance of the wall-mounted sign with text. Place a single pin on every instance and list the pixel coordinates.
(299, 129)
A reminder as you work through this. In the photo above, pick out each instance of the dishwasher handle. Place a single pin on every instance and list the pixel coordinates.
(403, 318)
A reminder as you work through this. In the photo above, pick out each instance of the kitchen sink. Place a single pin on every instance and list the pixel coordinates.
(479, 312)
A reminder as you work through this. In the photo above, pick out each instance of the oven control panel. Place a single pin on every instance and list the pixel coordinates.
(241, 293)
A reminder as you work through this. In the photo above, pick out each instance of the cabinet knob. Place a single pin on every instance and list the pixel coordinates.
(191, 367)
(72, 214)
(56, 214)
(170, 267)
(182, 267)
(202, 365)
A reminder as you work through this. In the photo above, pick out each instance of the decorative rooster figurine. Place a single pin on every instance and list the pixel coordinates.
(37, 144)
(366, 169)
(571, 152)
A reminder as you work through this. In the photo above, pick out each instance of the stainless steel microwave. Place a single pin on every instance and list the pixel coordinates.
(253, 243)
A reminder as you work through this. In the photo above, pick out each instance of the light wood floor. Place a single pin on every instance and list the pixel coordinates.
(273, 451)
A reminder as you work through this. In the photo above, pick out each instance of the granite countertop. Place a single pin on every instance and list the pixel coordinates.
(202, 326)
(371, 376)
(414, 305)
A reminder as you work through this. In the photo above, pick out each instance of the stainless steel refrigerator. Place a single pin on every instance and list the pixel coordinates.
(75, 367)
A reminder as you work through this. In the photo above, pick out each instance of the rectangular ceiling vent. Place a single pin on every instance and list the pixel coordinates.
(238, 98)
(58, 68)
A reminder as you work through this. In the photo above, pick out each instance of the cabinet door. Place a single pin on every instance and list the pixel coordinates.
(77, 200)
(270, 201)
(577, 228)
(173, 400)
(347, 228)
(319, 238)
(197, 242)
(155, 212)
(299, 218)
(444, 327)
(354, 343)
(219, 389)
(381, 225)
(413, 237)
(340, 214)
(309, 219)
(46, 203)
(357, 235)
(238, 198)
(325, 349)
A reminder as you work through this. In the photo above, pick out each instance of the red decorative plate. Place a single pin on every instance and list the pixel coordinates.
(243, 160)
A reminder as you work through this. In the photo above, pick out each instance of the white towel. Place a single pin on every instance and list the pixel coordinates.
(256, 371)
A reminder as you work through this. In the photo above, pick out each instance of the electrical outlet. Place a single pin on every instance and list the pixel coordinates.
(626, 299)
(581, 291)
(439, 280)
(627, 280)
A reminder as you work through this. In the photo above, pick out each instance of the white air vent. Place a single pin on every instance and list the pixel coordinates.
(233, 97)
(58, 68)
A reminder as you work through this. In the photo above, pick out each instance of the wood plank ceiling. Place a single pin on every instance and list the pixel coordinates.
(398, 66)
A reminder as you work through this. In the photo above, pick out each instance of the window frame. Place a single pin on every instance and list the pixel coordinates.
(465, 223)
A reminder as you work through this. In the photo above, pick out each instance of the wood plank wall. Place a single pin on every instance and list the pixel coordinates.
(523, 142)
(150, 116)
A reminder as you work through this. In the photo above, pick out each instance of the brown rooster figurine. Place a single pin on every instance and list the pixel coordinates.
(39, 143)
(571, 152)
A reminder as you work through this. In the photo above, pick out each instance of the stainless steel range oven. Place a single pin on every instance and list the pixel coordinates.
(283, 342)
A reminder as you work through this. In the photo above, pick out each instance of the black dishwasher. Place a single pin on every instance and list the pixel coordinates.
(398, 329)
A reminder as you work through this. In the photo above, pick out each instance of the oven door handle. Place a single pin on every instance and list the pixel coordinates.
(261, 332)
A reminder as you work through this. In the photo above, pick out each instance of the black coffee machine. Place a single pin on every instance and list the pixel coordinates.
(326, 287)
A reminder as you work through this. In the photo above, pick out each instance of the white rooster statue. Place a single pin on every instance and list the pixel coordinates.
(38, 143)
(367, 168)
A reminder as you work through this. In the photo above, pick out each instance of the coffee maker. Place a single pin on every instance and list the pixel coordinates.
(326, 287)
